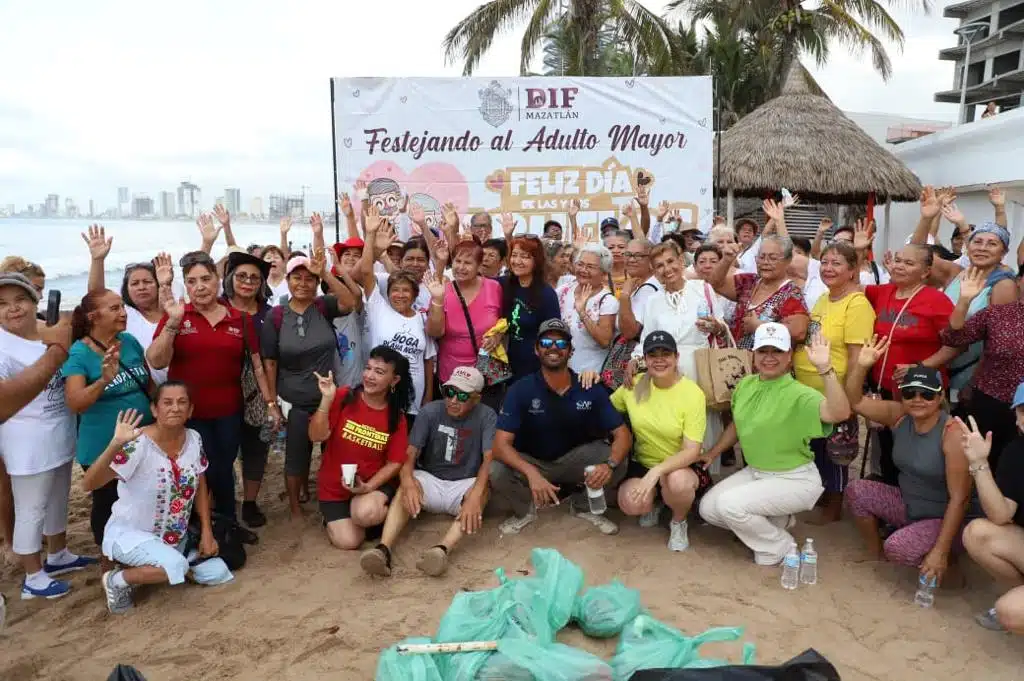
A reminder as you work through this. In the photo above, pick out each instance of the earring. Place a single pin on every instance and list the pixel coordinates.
(392, 389)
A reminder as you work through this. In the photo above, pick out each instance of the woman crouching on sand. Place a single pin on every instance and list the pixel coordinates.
(159, 470)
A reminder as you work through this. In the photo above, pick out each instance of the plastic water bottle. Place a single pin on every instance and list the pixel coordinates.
(277, 444)
(809, 563)
(925, 596)
(703, 311)
(595, 497)
(791, 568)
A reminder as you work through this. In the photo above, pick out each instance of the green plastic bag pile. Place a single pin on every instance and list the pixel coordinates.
(524, 616)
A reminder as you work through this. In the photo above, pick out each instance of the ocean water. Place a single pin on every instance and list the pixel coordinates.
(57, 246)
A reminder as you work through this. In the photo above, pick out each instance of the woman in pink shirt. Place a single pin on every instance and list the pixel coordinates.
(461, 312)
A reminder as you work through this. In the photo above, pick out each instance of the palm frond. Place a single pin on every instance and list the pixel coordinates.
(470, 39)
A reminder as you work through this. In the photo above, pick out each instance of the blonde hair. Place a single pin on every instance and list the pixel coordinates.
(642, 389)
(666, 246)
(15, 264)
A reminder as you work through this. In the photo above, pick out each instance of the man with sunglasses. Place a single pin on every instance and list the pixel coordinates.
(552, 434)
(446, 472)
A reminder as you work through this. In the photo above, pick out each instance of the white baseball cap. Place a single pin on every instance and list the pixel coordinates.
(773, 335)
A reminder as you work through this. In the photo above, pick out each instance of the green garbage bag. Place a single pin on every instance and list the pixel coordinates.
(602, 611)
(647, 643)
(559, 581)
(524, 660)
(394, 667)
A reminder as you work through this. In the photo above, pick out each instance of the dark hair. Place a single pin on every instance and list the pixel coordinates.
(272, 248)
(80, 324)
(471, 246)
(128, 274)
(535, 247)
(263, 293)
(845, 228)
(406, 276)
(498, 245)
(944, 253)
(677, 239)
(707, 248)
(845, 251)
(416, 243)
(195, 258)
(252, 248)
(169, 384)
(552, 223)
(746, 221)
(401, 396)
(802, 243)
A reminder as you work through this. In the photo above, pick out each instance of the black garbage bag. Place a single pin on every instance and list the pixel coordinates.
(807, 666)
(124, 672)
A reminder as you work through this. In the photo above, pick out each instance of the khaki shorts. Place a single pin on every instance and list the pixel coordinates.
(442, 496)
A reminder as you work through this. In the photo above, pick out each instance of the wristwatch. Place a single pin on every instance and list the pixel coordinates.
(611, 463)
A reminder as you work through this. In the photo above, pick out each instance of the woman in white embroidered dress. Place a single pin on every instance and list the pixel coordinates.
(159, 470)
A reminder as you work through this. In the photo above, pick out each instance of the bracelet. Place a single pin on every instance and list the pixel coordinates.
(434, 303)
(974, 469)
(271, 404)
(172, 329)
(826, 372)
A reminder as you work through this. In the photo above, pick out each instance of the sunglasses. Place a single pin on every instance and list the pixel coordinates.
(300, 327)
(911, 393)
(548, 343)
(451, 392)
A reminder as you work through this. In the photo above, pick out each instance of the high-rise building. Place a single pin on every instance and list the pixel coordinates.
(92, 208)
(189, 196)
(233, 200)
(51, 208)
(142, 206)
(122, 194)
(992, 33)
(282, 205)
(167, 205)
(256, 208)
(123, 202)
(70, 209)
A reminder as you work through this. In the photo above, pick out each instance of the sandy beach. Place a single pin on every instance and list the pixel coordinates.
(302, 610)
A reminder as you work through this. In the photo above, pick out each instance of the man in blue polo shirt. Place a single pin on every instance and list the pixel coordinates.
(550, 430)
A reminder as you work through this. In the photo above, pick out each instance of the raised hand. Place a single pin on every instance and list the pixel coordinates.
(930, 205)
(405, 204)
(451, 216)
(223, 217)
(285, 225)
(581, 296)
(345, 205)
(643, 194)
(361, 190)
(316, 223)
(164, 268)
(824, 225)
(972, 284)
(662, 211)
(976, 447)
(126, 429)
(326, 385)
(442, 253)
(574, 208)
(318, 263)
(175, 310)
(508, 225)
(111, 364)
(207, 230)
(888, 260)
(819, 353)
(627, 210)
(95, 237)
(417, 215)
(730, 251)
(953, 214)
(863, 234)
(996, 197)
(773, 209)
(436, 286)
(872, 351)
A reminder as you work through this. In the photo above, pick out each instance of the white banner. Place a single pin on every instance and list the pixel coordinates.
(528, 146)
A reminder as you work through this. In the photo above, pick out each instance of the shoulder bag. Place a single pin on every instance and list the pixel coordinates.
(254, 409)
(493, 370)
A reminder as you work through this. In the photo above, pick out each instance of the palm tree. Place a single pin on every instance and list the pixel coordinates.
(583, 22)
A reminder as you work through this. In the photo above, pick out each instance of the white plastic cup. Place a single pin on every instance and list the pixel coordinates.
(348, 473)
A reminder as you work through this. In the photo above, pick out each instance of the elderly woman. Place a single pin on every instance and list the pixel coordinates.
(297, 342)
(527, 302)
(159, 471)
(559, 259)
(930, 502)
(589, 308)
(768, 296)
(461, 312)
(37, 446)
(203, 344)
(616, 243)
(845, 319)
(758, 502)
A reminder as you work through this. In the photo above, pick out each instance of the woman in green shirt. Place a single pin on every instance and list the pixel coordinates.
(775, 418)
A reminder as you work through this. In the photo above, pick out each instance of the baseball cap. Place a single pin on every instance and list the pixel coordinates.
(660, 340)
(22, 282)
(554, 326)
(297, 262)
(351, 242)
(1018, 397)
(772, 335)
(609, 223)
(922, 378)
(467, 379)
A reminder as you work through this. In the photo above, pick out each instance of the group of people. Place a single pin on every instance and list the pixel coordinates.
(441, 369)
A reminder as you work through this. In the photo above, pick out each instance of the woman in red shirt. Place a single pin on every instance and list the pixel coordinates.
(911, 314)
(364, 426)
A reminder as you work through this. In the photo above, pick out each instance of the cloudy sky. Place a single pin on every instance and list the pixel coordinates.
(107, 93)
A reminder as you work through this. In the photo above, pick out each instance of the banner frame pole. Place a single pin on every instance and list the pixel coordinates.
(334, 162)
(718, 144)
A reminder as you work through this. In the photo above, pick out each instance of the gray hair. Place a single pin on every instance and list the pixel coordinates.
(603, 254)
(784, 242)
(647, 245)
(620, 233)
(427, 202)
(720, 231)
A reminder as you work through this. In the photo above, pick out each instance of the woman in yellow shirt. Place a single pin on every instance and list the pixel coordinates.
(846, 319)
(666, 411)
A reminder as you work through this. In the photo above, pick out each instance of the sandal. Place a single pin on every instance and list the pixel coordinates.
(376, 561)
(433, 561)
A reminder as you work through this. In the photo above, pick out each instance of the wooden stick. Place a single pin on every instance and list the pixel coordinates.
(433, 648)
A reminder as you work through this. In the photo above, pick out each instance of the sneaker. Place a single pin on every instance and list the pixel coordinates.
(434, 561)
(516, 524)
(678, 539)
(252, 515)
(119, 598)
(989, 620)
(599, 521)
(652, 517)
(55, 589)
(783, 522)
(79, 563)
(376, 561)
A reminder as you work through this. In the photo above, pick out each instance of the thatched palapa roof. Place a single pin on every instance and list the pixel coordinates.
(803, 142)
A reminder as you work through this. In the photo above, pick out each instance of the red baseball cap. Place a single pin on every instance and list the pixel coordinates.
(352, 242)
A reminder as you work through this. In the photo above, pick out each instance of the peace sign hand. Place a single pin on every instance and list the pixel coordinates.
(976, 447)
(326, 385)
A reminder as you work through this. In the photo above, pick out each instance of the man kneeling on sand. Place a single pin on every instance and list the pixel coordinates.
(446, 472)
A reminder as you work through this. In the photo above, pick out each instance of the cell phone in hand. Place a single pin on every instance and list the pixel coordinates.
(53, 308)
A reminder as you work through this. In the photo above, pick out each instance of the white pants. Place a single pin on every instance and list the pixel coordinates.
(442, 496)
(40, 507)
(756, 506)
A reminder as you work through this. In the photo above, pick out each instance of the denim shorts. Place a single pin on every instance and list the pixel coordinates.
(155, 553)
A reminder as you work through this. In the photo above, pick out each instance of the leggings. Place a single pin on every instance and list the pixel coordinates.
(254, 454)
(103, 499)
(912, 541)
(41, 507)
(298, 449)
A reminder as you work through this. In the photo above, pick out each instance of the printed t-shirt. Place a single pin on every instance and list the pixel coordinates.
(917, 336)
(154, 497)
(359, 435)
(41, 436)
(298, 355)
(547, 425)
(661, 421)
(208, 360)
(850, 320)
(455, 349)
(406, 335)
(776, 420)
(524, 322)
(97, 423)
(452, 449)
(349, 337)
(1009, 476)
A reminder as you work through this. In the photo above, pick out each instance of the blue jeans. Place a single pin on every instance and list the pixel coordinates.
(221, 438)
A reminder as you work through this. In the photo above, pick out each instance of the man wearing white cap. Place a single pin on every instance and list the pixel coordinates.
(775, 418)
(446, 472)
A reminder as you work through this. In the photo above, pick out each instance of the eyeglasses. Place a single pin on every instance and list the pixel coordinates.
(451, 392)
(636, 256)
(768, 257)
(195, 258)
(587, 267)
(548, 343)
(300, 326)
(248, 278)
(911, 393)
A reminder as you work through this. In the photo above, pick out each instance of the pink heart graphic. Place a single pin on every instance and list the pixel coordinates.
(442, 181)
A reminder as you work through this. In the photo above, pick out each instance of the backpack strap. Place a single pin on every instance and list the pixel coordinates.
(277, 317)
